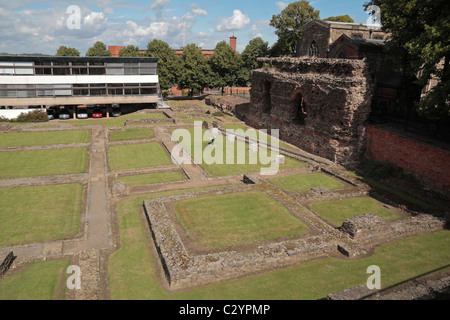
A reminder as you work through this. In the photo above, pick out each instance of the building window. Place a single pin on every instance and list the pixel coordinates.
(357, 36)
(313, 50)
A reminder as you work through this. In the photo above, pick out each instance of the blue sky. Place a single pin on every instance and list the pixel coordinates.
(42, 26)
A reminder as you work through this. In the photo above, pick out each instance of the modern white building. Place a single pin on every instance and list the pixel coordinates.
(73, 81)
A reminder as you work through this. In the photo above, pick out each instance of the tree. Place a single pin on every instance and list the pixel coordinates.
(130, 51)
(98, 50)
(196, 73)
(64, 51)
(256, 48)
(419, 34)
(168, 64)
(225, 64)
(289, 25)
(344, 18)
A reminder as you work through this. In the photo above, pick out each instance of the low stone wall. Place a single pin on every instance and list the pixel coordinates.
(184, 269)
(6, 261)
(425, 289)
(370, 228)
(148, 121)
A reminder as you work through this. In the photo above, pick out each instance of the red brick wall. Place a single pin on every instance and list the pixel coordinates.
(429, 164)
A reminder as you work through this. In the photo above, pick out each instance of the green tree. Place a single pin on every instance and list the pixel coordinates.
(64, 51)
(289, 25)
(344, 18)
(98, 50)
(255, 49)
(420, 36)
(196, 73)
(225, 64)
(130, 51)
(168, 64)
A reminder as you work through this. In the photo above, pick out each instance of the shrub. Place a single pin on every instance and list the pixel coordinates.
(34, 116)
(218, 114)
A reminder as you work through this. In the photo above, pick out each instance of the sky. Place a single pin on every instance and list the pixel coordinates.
(43, 26)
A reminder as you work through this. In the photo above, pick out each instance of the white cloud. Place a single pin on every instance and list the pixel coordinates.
(158, 5)
(281, 5)
(236, 22)
(199, 12)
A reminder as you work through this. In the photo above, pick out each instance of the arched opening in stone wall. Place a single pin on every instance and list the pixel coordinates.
(267, 96)
(340, 54)
(300, 109)
(313, 50)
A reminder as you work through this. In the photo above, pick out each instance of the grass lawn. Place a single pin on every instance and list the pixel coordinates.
(133, 270)
(137, 156)
(304, 182)
(237, 161)
(37, 281)
(36, 163)
(20, 139)
(37, 214)
(236, 219)
(336, 212)
(132, 134)
(152, 178)
(257, 134)
(116, 122)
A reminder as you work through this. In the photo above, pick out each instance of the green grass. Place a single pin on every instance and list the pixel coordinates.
(36, 281)
(304, 182)
(133, 272)
(34, 163)
(116, 122)
(132, 134)
(336, 212)
(152, 178)
(37, 214)
(396, 193)
(138, 156)
(240, 164)
(256, 134)
(236, 219)
(20, 139)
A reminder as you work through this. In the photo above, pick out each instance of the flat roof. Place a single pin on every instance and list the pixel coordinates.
(12, 58)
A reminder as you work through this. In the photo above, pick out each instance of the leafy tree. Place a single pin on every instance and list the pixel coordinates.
(420, 36)
(130, 51)
(289, 25)
(196, 73)
(256, 48)
(64, 51)
(225, 64)
(98, 50)
(344, 18)
(168, 64)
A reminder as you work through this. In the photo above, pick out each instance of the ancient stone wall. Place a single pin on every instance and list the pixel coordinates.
(430, 164)
(319, 105)
(5, 262)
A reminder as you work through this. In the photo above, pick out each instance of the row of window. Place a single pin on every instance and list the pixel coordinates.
(50, 68)
(59, 90)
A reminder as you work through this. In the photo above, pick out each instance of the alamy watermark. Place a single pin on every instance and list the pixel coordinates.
(374, 281)
(228, 149)
(74, 281)
(74, 19)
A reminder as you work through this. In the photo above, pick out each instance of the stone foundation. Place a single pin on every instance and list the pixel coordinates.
(6, 261)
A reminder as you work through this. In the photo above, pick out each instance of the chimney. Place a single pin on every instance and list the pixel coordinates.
(233, 43)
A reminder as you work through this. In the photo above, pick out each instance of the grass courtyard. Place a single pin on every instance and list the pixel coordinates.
(236, 219)
(38, 214)
(304, 182)
(20, 139)
(35, 163)
(152, 178)
(138, 156)
(132, 134)
(229, 158)
(133, 270)
(336, 212)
